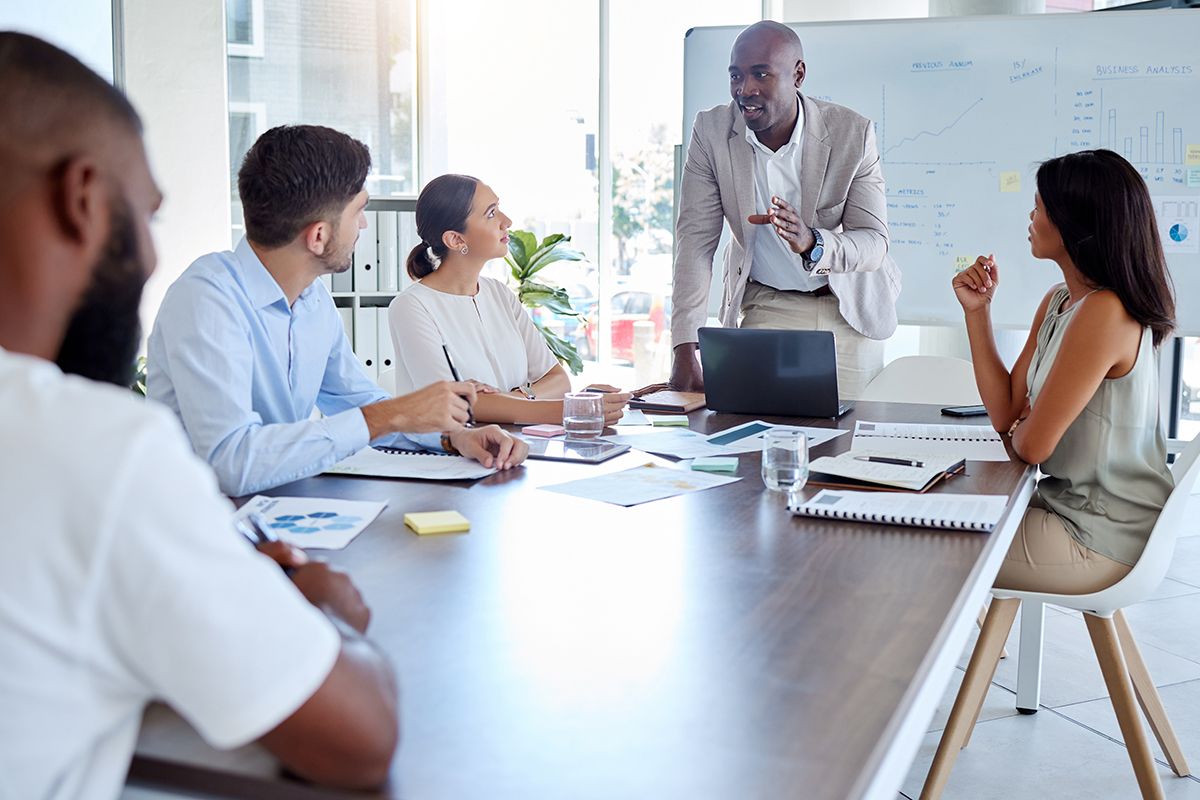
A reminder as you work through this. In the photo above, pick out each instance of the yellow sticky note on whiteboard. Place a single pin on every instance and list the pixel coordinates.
(1193, 154)
(1010, 181)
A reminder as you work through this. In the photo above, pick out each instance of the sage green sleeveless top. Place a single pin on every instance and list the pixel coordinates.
(1108, 478)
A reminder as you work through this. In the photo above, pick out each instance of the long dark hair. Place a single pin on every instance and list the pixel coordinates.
(444, 205)
(1102, 209)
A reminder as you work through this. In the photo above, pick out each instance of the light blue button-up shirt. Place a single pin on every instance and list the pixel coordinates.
(243, 372)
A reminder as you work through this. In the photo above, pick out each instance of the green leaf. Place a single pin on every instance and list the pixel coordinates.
(521, 245)
(538, 263)
(563, 350)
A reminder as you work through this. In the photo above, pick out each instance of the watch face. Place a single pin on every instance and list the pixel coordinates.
(816, 253)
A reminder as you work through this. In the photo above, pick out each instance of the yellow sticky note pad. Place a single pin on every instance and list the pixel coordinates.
(1193, 155)
(1010, 181)
(426, 522)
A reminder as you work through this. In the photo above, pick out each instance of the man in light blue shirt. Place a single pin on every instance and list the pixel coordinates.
(247, 343)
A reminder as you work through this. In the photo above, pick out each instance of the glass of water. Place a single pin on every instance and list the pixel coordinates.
(583, 414)
(785, 460)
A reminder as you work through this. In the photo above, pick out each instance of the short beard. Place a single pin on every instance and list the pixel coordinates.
(103, 336)
(336, 262)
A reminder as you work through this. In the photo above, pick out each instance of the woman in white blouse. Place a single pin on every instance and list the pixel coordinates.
(454, 315)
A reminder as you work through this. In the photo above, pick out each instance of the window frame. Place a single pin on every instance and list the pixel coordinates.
(256, 48)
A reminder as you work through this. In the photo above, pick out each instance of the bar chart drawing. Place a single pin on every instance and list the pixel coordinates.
(1163, 152)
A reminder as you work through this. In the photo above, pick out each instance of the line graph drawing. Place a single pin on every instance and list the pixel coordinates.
(915, 137)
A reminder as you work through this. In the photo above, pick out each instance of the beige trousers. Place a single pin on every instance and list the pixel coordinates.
(859, 359)
(1044, 557)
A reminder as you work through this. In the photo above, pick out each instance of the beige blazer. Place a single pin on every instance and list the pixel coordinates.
(842, 196)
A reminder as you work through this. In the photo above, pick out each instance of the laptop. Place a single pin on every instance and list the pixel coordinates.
(770, 372)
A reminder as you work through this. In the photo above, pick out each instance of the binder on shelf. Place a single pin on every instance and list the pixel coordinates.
(389, 243)
(366, 340)
(347, 315)
(366, 256)
(387, 358)
(407, 231)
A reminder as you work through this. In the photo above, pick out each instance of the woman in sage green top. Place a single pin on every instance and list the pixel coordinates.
(1082, 399)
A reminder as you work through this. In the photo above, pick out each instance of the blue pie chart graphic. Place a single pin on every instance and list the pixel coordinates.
(1178, 232)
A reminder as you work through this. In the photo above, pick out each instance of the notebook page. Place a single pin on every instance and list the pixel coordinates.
(972, 442)
(370, 462)
(962, 511)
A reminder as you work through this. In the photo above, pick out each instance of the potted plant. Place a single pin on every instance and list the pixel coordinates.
(526, 258)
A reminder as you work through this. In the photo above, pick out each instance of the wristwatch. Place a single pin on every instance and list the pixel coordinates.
(814, 254)
(448, 446)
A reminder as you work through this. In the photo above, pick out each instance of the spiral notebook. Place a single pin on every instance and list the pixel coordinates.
(388, 462)
(960, 512)
(972, 442)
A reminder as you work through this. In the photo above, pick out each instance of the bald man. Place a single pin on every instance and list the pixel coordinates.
(799, 182)
(123, 580)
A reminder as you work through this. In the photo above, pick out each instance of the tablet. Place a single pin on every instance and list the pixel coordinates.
(588, 452)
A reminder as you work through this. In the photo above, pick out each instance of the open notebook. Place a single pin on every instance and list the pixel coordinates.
(386, 462)
(964, 512)
(852, 470)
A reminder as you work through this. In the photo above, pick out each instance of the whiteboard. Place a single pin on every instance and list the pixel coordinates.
(964, 110)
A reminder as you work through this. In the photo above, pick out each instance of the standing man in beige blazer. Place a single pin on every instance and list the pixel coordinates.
(799, 182)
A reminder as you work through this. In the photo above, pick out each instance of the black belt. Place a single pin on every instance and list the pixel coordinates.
(820, 291)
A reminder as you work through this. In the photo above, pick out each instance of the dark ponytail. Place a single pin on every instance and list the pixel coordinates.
(1102, 210)
(444, 205)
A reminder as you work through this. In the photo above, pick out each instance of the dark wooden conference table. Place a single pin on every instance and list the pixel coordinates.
(703, 646)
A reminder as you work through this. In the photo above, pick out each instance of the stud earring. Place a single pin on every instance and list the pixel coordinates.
(463, 250)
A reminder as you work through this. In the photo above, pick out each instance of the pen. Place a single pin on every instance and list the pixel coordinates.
(454, 374)
(257, 532)
(900, 462)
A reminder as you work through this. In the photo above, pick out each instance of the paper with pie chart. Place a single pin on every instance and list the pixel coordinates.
(315, 523)
(1178, 222)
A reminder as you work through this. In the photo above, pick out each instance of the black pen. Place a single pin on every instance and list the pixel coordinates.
(900, 462)
(257, 532)
(454, 374)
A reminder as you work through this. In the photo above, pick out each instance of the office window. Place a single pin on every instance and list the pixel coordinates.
(647, 123)
(347, 64)
(244, 27)
(516, 105)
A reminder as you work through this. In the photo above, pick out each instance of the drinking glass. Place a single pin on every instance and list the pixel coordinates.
(583, 414)
(785, 460)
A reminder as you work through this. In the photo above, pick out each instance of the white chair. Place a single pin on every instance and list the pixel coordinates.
(925, 379)
(1120, 660)
(387, 380)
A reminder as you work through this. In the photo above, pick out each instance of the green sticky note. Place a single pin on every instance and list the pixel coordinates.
(674, 420)
(715, 464)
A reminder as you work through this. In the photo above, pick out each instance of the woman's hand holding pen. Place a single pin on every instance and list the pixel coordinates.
(976, 285)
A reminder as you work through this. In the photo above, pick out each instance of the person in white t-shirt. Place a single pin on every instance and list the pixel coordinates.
(454, 315)
(123, 581)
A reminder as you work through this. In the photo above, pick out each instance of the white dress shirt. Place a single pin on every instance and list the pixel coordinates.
(123, 582)
(490, 337)
(777, 174)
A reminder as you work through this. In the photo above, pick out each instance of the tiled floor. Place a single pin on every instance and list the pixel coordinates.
(1072, 748)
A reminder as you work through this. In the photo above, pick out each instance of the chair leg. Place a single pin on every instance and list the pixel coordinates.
(1116, 677)
(1147, 696)
(1029, 656)
(979, 624)
(980, 670)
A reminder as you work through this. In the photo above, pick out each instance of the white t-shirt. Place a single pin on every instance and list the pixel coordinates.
(121, 582)
(490, 337)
